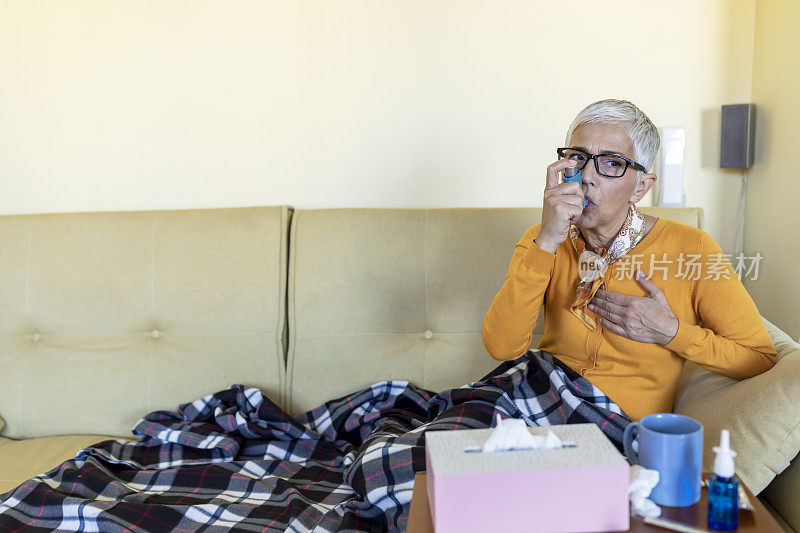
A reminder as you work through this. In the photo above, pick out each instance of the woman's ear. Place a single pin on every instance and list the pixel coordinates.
(645, 184)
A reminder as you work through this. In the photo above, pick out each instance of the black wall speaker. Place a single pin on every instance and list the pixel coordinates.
(738, 136)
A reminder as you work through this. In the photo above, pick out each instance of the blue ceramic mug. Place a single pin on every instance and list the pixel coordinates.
(673, 445)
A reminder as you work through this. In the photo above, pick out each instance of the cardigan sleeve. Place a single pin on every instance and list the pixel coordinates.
(734, 341)
(508, 324)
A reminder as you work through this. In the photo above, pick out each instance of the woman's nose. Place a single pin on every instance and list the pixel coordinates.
(589, 173)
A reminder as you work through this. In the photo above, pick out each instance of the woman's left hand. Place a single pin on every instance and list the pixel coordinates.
(640, 318)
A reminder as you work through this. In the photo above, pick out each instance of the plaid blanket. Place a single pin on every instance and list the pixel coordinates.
(233, 460)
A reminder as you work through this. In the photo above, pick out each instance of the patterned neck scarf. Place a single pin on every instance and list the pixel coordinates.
(629, 235)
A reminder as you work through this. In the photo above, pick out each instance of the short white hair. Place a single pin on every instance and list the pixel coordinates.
(634, 122)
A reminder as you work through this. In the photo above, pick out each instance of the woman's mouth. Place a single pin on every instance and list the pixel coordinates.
(589, 205)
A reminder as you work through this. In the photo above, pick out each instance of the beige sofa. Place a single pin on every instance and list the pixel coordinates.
(108, 316)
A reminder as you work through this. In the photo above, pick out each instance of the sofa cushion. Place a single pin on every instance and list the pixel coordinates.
(692, 216)
(108, 316)
(365, 285)
(22, 459)
(761, 412)
(378, 294)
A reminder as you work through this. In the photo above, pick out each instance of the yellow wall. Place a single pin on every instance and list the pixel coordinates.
(149, 104)
(156, 105)
(774, 183)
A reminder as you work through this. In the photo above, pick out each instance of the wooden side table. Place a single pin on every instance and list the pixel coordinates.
(757, 520)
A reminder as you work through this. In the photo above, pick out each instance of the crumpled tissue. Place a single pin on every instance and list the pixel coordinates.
(642, 482)
(513, 434)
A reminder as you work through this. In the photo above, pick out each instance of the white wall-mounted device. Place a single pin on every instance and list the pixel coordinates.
(668, 190)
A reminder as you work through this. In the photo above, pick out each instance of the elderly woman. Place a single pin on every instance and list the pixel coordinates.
(627, 314)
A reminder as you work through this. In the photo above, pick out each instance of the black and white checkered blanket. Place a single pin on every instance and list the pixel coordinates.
(235, 461)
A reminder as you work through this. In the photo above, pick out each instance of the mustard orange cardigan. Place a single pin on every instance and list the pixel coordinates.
(640, 377)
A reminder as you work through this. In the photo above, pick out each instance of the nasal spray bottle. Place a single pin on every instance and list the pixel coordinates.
(723, 488)
(573, 174)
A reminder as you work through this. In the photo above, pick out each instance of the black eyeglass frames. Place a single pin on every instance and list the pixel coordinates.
(609, 165)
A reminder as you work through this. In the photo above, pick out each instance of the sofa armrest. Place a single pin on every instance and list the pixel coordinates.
(762, 413)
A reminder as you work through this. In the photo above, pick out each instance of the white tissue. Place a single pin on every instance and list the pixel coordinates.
(642, 482)
(513, 434)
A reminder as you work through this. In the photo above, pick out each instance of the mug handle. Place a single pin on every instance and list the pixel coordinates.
(627, 442)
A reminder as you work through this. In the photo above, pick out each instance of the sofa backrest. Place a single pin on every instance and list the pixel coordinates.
(108, 316)
(378, 294)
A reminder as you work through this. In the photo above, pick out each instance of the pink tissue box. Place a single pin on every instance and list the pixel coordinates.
(584, 488)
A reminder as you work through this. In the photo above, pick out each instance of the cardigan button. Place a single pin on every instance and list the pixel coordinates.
(428, 334)
(156, 334)
(35, 337)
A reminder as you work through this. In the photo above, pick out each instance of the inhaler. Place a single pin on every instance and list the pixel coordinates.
(573, 174)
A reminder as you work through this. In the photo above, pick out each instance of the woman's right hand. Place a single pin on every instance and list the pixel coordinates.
(561, 207)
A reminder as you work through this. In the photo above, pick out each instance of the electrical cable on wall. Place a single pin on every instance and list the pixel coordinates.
(742, 214)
